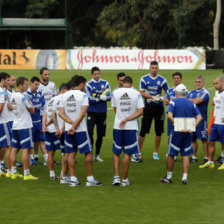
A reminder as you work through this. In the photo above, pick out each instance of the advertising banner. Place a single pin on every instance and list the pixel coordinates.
(32, 59)
(117, 59)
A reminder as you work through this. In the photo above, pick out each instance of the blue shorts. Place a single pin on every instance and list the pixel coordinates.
(62, 143)
(126, 140)
(52, 142)
(4, 135)
(201, 131)
(22, 139)
(80, 140)
(38, 135)
(180, 142)
(217, 133)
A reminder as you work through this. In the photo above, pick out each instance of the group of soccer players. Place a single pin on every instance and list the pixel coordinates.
(37, 115)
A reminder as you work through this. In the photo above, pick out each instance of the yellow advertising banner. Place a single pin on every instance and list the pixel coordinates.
(32, 59)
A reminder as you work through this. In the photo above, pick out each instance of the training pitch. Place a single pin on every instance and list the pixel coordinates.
(145, 201)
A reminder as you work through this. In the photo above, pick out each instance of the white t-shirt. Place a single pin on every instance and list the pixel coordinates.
(49, 91)
(57, 100)
(21, 103)
(126, 101)
(4, 99)
(11, 115)
(49, 109)
(72, 102)
(219, 107)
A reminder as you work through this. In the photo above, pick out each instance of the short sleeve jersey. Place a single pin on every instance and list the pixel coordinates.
(38, 102)
(21, 103)
(171, 93)
(219, 107)
(49, 109)
(57, 100)
(126, 101)
(204, 95)
(49, 91)
(154, 86)
(4, 99)
(10, 115)
(183, 108)
(72, 102)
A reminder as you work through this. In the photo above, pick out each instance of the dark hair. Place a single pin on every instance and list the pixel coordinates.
(74, 77)
(4, 75)
(43, 69)
(154, 63)
(121, 74)
(128, 80)
(34, 79)
(70, 84)
(21, 80)
(63, 86)
(79, 80)
(94, 69)
(177, 74)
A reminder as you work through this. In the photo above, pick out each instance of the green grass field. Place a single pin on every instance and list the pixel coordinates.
(146, 201)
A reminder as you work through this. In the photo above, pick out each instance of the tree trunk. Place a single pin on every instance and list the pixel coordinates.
(216, 25)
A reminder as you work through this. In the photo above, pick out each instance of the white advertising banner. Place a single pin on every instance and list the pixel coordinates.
(120, 59)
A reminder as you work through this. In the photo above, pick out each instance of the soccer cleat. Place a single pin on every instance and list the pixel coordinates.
(116, 181)
(3, 166)
(204, 161)
(155, 156)
(37, 159)
(207, 165)
(18, 164)
(56, 163)
(33, 162)
(220, 160)
(193, 160)
(184, 182)
(64, 180)
(125, 183)
(8, 175)
(74, 183)
(94, 182)
(30, 177)
(45, 163)
(16, 176)
(2, 174)
(98, 159)
(221, 167)
(166, 180)
(53, 177)
(136, 158)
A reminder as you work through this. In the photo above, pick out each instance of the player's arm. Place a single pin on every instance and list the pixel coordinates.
(198, 119)
(170, 117)
(137, 114)
(77, 122)
(197, 100)
(106, 95)
(63, 115)
(55, 121)
(93, 97)
(44, 121)
(1, 107)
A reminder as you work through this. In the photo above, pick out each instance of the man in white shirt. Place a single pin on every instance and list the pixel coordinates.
(4, 131)
(73, 108)
(22, 128)
(52, 135)
(217, 129)
(59, 122)
(128, 106)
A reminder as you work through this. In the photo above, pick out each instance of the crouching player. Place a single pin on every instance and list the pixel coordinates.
(52, 135)
(72, 110)
(128, 106)
(21, 129)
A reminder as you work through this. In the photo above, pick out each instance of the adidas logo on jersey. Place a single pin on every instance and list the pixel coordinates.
(71, 98)
(125, 97)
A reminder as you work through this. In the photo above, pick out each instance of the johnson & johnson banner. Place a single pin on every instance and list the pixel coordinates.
(117, 59)
(32, 59)
(135, 59)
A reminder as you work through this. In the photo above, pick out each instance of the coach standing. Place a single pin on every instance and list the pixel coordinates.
(98, 91)
(151, 86)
